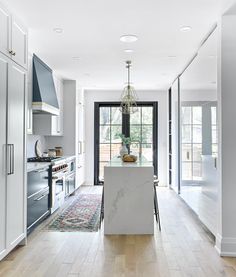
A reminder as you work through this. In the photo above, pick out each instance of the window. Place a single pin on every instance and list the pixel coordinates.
(191, 143)
(110, 123)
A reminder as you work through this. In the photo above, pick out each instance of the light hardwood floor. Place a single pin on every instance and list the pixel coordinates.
(182, 248)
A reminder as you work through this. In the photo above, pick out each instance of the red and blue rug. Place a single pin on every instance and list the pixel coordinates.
(82, 215)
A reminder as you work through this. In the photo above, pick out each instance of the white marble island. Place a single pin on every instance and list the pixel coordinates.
(128, 198)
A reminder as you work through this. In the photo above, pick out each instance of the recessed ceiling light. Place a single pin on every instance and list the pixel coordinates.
(75, 58)
(129, 50)
(171, 56)
(58, 30)
(128, 38)
(87, 74)
(185, 28)
(212, 56)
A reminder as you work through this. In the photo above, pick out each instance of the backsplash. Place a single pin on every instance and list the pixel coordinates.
(31, 139)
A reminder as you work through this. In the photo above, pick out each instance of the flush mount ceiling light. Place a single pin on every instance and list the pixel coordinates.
(58, 30)
(128, 50)
(128, 38)
(185, 29)
(75, 58)
(128, 97)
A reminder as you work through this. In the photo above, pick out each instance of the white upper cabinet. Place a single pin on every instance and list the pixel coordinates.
(19, 45)
(5, 26)
(13, 38)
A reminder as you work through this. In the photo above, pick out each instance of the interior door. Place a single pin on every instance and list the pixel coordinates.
(19, 43)
(3, 101)
(5, 25)
(110, 123)
(15, 139)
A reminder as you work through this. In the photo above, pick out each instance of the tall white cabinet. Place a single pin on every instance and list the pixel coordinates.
(12, 150)
(13, 82)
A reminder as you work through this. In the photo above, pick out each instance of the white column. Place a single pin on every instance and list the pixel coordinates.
(226, 235)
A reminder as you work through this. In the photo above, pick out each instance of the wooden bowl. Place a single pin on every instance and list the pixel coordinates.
(129, 158)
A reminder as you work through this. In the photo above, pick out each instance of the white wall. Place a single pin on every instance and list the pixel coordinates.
(92, 96)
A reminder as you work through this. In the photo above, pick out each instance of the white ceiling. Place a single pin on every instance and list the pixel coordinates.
(92, 28)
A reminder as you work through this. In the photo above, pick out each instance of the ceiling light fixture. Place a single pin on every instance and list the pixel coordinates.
(129, 50)
(58, 30)
(75, 58)
(128, 38)
(185, 29)
(129, 97)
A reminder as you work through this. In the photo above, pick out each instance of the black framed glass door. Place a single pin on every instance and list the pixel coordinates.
(109, 123)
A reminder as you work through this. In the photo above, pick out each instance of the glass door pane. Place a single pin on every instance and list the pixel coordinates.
(110, 128)
(141, 132)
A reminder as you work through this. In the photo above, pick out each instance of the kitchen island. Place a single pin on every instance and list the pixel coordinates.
(128, 198)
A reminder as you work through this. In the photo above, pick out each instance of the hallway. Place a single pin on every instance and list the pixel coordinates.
(182, 248)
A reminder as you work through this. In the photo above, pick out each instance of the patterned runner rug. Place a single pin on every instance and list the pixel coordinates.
(82, 215)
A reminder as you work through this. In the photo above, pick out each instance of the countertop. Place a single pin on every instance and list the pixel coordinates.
(31, 166)
(141, 162)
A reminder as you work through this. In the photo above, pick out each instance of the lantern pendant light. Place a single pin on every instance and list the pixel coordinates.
(128, 97)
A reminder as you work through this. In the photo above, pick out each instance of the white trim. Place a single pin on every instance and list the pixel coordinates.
(225, 246)
(42, 107)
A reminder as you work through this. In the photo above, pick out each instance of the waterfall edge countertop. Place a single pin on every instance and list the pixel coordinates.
(31, 166)
(128, 198)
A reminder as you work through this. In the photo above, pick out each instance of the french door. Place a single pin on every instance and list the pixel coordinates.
(110, 123)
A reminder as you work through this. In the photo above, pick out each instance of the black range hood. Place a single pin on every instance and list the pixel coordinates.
(44, 93)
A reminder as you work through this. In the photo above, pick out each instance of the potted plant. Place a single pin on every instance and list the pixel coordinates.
(126, 141)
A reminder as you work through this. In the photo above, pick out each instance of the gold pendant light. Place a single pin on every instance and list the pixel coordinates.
(128, 96)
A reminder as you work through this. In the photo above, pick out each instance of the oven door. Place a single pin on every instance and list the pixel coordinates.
(70, 183)
(58, 191)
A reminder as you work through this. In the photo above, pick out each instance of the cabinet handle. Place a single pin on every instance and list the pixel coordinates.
(188, 155)
(10, 52)
(10, 159)
(13, 159)
(41, 197)
(13, 53)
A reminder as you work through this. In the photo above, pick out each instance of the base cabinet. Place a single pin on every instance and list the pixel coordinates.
(12, 152)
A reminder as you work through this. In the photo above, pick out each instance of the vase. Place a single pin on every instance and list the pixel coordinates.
(123, 150)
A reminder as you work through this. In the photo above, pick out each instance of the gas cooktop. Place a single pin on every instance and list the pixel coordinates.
(42, 159)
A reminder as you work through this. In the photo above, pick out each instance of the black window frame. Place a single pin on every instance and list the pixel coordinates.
(125, 131)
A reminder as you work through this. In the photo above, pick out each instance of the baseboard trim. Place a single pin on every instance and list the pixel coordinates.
(226, 247)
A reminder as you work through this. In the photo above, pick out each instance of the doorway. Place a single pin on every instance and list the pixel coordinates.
(109, 123)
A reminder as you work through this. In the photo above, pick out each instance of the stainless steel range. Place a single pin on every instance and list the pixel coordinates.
(57, 177)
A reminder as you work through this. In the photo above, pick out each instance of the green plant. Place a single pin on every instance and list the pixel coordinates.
(125, 140)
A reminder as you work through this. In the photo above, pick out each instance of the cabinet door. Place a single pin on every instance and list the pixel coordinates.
(19, 43)
(16, 193)
(57, 121)
(30, 97)
(5, 26)
(3, 101)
